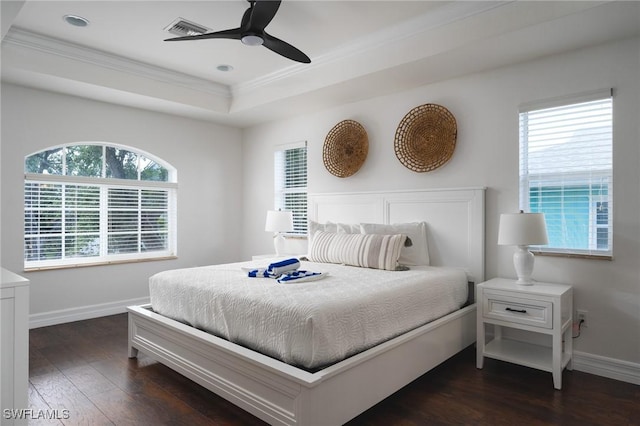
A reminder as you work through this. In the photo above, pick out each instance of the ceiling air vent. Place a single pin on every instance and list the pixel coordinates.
(182, 27)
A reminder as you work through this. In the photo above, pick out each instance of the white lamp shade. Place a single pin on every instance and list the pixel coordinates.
(279, 221)
(522, 229)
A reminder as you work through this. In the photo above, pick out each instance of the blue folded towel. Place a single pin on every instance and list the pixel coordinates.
(285, 271)
(279, 268)
(260, 273)
(300, 276)
(275, 269)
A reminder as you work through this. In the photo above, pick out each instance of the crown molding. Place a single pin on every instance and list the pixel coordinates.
(29, 40)
(415, 27)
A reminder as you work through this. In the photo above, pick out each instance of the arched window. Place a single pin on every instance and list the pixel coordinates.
(92, 203)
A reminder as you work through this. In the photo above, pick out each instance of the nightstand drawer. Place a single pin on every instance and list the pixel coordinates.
(538, 313)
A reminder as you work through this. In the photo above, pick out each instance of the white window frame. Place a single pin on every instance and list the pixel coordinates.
(104, 184)
(300, 214)
(578, 178)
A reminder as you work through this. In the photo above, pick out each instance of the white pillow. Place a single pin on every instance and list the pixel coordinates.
(336, 228)
(348, 228)
(325, 227)
(369, 251)
(418, 252)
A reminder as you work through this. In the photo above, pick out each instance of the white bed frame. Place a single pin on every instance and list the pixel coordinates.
(285, 395)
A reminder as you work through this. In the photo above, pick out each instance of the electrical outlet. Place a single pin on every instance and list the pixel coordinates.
(581, 315)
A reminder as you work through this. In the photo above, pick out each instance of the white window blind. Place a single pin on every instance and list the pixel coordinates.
(566, 171)
(290, 178)
(137, 220)
(60, 221)
(74, 215)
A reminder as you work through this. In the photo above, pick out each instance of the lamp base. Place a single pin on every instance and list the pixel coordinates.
(279, 243)
(524, 282)
(523, 261)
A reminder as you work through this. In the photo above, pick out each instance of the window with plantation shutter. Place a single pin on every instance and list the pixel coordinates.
(290, 166)
(566, 171)
(96, 204)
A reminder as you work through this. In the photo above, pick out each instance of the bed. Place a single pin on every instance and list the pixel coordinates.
(332, 391)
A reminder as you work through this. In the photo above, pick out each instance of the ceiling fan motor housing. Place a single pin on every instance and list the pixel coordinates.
(252, 39)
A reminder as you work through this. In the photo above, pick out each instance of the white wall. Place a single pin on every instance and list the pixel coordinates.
(486, 108)
(207, 157)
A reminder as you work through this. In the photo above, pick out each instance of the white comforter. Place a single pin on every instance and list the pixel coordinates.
(309, 324)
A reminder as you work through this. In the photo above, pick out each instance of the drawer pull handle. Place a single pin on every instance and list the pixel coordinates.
(520, 311)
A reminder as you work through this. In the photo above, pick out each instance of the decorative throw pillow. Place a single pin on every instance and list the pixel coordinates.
(368, 251)
(418, 252)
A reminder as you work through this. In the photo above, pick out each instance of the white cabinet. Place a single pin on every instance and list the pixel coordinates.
(14, 345)
(541, 308)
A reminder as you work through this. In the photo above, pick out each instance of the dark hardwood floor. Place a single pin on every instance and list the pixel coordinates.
(83, 367)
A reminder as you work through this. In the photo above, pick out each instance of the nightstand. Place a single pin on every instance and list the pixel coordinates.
(542, 308)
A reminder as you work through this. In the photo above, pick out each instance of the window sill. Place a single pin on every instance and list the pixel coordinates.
(573, 255)
(83, 265)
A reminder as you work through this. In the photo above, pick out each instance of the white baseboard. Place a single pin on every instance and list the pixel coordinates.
(83, 312)
(607, 367)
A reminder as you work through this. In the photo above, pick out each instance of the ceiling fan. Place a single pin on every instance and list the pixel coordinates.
(252, 31)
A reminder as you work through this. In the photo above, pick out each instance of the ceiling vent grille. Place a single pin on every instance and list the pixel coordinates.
(182, 27)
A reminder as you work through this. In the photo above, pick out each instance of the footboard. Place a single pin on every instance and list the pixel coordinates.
(282, 394)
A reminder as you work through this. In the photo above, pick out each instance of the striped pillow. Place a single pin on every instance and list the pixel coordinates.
(365, 250)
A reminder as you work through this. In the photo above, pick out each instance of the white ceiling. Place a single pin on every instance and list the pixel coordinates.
(358, 49)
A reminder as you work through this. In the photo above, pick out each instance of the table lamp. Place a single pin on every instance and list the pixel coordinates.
(522, 230)
(279, 221)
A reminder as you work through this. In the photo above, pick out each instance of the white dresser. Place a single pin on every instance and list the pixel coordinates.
(14, 345)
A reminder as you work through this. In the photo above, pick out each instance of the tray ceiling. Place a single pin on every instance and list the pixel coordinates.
(358, 50)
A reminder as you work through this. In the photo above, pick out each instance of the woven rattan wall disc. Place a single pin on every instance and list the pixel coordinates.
(345, 148)
(426, 137)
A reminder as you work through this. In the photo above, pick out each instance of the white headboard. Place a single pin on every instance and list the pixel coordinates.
(455, 219)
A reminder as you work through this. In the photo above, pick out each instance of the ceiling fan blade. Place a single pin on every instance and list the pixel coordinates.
(262, 13)
(235, 34)
(285, 49)
(245, 24)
